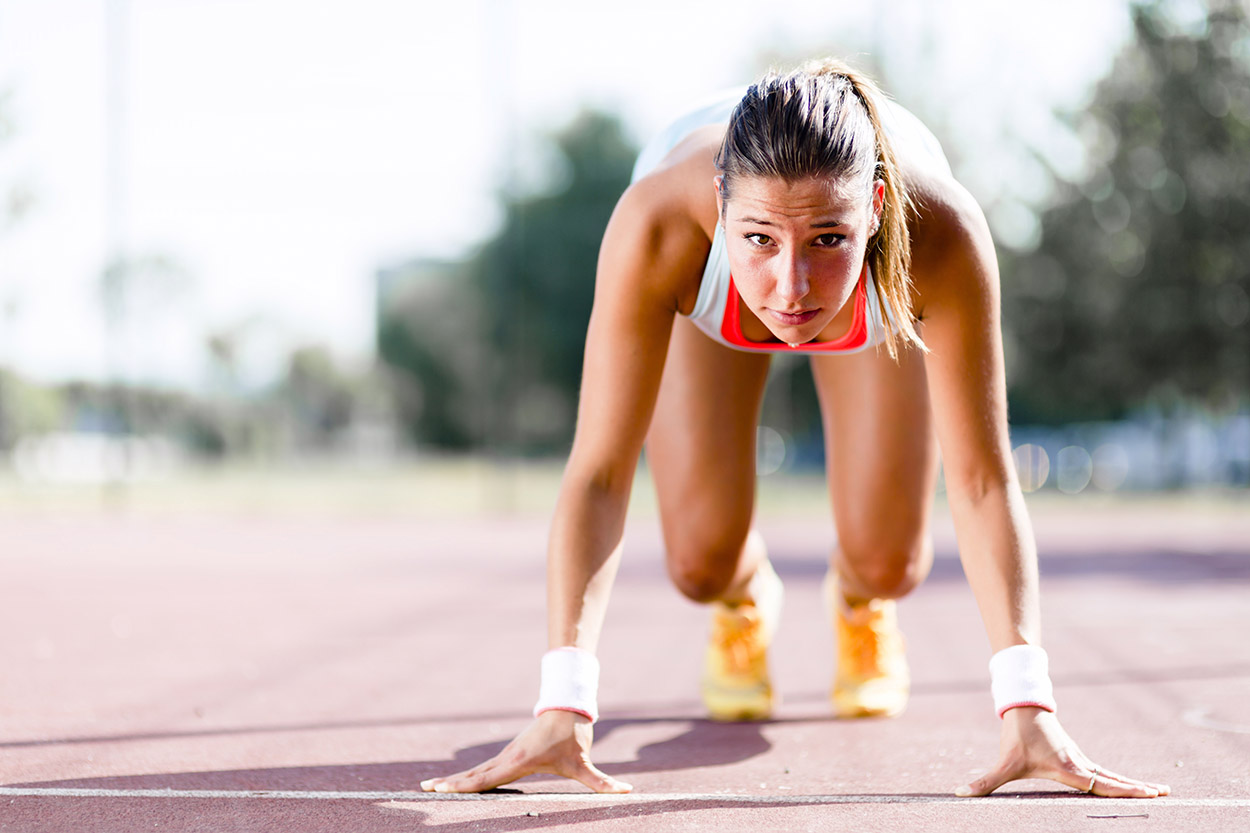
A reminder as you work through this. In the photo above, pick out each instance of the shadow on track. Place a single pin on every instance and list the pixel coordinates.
(1159, 566)
(694, 744)
(702, 732)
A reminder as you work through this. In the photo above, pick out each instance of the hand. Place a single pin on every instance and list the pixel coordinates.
(557, 742)
(1034, 745)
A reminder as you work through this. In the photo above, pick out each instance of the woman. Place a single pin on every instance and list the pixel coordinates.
(822, 219)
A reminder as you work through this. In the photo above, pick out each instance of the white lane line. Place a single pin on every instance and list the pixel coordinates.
(569, 798)
(1200, 717)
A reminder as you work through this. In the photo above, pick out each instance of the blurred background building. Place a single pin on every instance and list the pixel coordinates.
(266, 231)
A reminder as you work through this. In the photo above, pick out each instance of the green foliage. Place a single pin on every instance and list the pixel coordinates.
(488, 353)
(318, 394)
(535, 282)
(26, 408)
(137, 411)
(313, 408)
(1140, 289)
(319, 403)
(416, 366)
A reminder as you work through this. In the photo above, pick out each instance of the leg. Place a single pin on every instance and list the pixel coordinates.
(882, 461)
(882, 465)
(701, 452)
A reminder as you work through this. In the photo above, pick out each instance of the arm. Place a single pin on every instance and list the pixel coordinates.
(650, 250)
(626, 346)
(957, 277)
(959, 302)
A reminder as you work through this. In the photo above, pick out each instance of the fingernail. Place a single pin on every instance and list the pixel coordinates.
(964, 791)
(425, 785)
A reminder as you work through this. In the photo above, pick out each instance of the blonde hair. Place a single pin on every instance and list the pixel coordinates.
(823, 120)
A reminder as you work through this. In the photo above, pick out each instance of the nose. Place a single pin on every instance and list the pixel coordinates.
(792, 280)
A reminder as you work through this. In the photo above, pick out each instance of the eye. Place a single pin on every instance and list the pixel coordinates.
(830, 240)
(757, 238)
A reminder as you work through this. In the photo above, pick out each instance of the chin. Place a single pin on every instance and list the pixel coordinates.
(794, 338)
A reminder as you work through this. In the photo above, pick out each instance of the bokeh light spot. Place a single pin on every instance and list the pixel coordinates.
(1032, 466)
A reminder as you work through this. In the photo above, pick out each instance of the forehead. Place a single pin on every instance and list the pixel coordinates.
(793, 198)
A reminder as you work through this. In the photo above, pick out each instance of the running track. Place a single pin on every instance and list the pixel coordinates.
(303, 671)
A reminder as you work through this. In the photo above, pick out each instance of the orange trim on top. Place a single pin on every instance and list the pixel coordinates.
(855, 337)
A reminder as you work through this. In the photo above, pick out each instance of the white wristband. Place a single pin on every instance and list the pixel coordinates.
(570, 683)
(1019, 676)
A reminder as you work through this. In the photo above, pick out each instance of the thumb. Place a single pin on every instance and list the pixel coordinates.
(599, 781)
(988, 782)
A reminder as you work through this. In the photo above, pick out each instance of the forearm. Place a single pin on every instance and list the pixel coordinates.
(582, 558)
(999, 556)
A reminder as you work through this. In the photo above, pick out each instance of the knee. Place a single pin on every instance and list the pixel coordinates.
(884, 570)
(702, 572)
(701, 583)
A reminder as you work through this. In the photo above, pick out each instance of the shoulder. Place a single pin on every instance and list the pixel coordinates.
(681, 183)
(951, 247)
(661, 230)
(946, 217)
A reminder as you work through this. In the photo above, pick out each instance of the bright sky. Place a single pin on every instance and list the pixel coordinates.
(282, 151)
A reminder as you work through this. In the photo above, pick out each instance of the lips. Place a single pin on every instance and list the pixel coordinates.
(793, 319)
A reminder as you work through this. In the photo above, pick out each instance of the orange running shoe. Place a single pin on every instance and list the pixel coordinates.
(872, 678)
(736, 685)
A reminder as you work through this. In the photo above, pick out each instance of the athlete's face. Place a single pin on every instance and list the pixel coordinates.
(796, 249)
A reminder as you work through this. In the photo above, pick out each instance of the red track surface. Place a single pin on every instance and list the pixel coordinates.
(345, 660)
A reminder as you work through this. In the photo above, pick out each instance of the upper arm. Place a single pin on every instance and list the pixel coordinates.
(651, 252)
(958, 294)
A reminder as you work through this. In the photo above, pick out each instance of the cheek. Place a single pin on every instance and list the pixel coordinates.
(747, 271)
(750, 288)
(753, 281)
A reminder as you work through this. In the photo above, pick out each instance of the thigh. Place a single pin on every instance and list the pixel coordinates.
(701, 446)
(881, 454)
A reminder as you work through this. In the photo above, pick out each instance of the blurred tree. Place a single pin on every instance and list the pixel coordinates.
(16, 200)
(489, 352)
(112, 409)
(319, 397)
(536, 282)
(430, 343)
(26, 408)
(242, 415)
(1140, 288)
(222, 347)
(134, 291)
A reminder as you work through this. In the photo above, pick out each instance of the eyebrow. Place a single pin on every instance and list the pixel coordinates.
(758, 222)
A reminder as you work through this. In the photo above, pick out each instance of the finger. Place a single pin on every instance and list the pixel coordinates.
(1161, 789)
(598, 780)
(486, 777)
(986, 784)
(1111, 785)
(431, 784)
(1084, 775)
(1089, 778)
(1110, 788)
